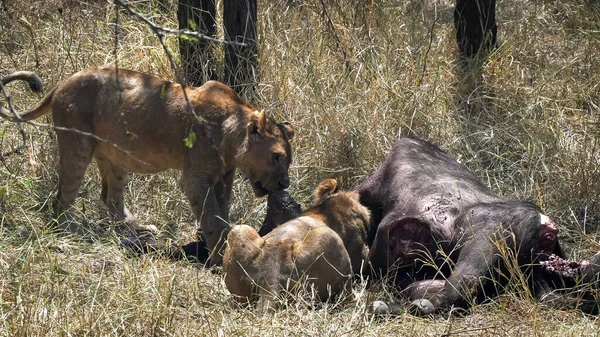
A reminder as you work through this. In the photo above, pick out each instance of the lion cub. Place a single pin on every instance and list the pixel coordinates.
(324, 246)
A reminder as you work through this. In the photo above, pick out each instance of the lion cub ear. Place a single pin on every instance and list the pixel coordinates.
(259, 123)
(287, 128)
(325, 189)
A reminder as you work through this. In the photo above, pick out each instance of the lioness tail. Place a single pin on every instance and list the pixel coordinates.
(35, 84)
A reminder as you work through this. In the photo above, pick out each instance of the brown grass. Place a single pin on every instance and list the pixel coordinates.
(351, 87)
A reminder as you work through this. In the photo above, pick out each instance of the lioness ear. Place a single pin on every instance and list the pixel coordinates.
(288, 129)
(258, 123)
(325, 189)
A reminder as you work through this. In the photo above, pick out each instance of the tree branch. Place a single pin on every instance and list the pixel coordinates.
(11, 108)
(158, 28)
(88, 134)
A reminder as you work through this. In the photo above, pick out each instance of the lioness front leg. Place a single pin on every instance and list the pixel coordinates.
(223, 192)
(201, 193)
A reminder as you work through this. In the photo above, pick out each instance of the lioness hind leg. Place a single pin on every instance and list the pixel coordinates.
(75, 153)
(114, 181)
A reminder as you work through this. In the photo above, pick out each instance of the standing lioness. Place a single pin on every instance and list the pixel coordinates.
(144, 121)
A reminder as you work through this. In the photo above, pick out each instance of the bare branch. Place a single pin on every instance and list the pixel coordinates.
(158, 28)
(11, 108)
(159, 34)
(158, 31)
(331, 26)
(20, 122)
(87, 134)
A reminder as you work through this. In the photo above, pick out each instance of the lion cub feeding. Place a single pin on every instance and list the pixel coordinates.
(324, 247)
(129, 121)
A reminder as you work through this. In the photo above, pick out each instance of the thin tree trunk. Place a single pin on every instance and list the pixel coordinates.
(476, 29)
(239, 21)
(197, 56)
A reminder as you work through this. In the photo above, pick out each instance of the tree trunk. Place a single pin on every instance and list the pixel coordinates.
(197, 54)
(239, 21)
(475, 22)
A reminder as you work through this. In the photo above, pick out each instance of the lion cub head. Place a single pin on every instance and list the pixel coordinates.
(322, 248)
(267, 154)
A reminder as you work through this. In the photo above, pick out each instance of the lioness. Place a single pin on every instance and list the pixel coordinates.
(140, 124)
(324, 246)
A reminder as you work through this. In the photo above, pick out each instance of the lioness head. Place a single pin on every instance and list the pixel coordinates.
(342, 205)
(267, 154)
(345, 215)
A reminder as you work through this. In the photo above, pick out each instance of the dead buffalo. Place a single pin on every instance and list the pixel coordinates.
(446, 237)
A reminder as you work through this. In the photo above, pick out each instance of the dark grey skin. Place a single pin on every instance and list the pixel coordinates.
(428, 208)
(281, 208)
(568, 285)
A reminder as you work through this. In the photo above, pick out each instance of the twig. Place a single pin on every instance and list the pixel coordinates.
(11, 108)
(424, 70)
(158, 28)
(431, 33)
(87, 134)
(32, 35)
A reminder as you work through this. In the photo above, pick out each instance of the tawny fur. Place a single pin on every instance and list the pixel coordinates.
(143, 122)
(325, 246)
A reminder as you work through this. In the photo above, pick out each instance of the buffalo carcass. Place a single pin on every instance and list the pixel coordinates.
(446, 237)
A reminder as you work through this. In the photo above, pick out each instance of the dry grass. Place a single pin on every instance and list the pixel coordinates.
(350, 86)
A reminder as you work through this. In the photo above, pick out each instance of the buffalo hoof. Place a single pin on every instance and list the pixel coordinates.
(138, 246)
(381, 308)
(422, 307)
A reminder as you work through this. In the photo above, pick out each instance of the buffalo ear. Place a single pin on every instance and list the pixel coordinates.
(258, 123)
(287, 128)
(325, 189)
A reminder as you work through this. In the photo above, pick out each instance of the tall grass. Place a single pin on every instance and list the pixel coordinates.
(352, 77)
